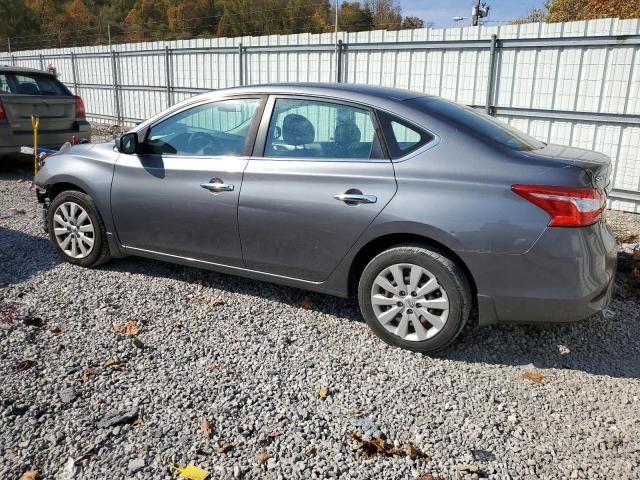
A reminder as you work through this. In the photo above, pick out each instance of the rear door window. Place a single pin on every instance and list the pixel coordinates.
(310, 129)
(31, 84)
(402, 137)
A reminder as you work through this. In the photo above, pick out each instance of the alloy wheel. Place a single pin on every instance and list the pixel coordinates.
(74, 230)
(409, 302)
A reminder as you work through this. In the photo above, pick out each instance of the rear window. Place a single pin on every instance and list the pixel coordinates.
(30, 84)
(477, 123)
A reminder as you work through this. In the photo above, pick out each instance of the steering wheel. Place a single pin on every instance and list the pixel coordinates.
(198, 141)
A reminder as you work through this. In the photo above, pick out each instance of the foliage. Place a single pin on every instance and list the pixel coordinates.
(33, 24)
(569, 10)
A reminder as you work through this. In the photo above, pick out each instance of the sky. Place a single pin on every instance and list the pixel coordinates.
(442, 11)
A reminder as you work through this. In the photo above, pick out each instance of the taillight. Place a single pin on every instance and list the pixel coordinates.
(80, 112)
(567, 206)
(3, 114)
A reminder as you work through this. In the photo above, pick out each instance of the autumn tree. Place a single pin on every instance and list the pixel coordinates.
(386, 14)
(18, 22)
(192, 19)
(570, 10)
(147, 20)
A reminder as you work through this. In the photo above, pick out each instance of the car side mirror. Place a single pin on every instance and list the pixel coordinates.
(128, 143)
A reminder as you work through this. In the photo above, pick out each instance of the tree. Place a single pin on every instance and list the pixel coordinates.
(18, 21)
(570, 10)
(409, 23)
(386, 14)
(147, 20)
(353, 17)
(192, 19)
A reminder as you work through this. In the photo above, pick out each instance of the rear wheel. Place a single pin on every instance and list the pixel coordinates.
(76, 229)
(415, 298)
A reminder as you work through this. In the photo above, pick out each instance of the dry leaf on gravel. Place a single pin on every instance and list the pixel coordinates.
(19, 211)
(205, 428)
(84, 376)
(430, 476)
(224, 447)
(312, 452)
(535, 377)
(129, 328)
(377, 446)
(306, 303)
(24, 365)
(262, 458)
(31, 475)
(324, 392)
(411, 451)
(56, 331)
(137, 421)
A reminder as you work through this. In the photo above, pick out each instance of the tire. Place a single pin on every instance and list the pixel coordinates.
(421, 270)
(93, 240)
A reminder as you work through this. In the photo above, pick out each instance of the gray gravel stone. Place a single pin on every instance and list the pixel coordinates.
(68, 395)
(244, 355)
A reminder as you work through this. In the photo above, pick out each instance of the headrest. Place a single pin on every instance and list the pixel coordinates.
(297, 130)
(347, 133)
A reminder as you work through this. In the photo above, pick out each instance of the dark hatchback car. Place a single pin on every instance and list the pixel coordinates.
(25, 92)
(418, 206)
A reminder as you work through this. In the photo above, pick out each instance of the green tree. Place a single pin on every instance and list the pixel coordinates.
(353, 17)
(18, 22)
(409, 23)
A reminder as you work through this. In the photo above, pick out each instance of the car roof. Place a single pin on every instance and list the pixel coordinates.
(12, 69)
(346, 91)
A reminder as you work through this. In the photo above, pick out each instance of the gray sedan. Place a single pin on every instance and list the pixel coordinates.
(420, 207)
(25, 92)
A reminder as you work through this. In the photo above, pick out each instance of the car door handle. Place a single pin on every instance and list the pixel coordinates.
(217, 187)
(356, 198)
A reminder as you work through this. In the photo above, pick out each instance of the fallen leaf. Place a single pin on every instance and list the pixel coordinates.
(205, 428)
(411, 451)
(306, 303)
(312, 452)
(129, 328)
(224, 447)
(262, 458)
(56, 331)
(535, 377)
(24, 365)
(110, 361)
(193, 473)
(324, 392)
(137, 421)
(31, 475)
(84, 376)
(429, 476)
(19, 211)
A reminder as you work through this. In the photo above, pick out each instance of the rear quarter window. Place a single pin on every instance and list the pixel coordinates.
(402, 137)
(30, 84)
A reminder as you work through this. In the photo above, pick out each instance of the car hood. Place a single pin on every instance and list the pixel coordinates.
(597, 166)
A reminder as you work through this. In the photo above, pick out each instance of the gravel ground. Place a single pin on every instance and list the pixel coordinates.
(84, 398)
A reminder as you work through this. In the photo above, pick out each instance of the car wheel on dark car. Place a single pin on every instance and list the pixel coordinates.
(76, 229)
(415, 298)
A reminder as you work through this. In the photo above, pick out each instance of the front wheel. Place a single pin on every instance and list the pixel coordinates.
(76, 229)
(414, 298)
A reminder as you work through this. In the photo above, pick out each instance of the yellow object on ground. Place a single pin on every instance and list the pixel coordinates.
(192, 472)
(35, 123)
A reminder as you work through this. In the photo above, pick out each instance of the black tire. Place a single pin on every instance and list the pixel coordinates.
(448, 274)
(99, 253)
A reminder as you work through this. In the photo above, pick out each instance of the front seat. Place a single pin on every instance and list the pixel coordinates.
(347, 139)
(298, 131)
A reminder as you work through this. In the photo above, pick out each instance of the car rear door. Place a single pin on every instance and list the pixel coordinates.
(26, 94)
(180, 198)
(317, 181)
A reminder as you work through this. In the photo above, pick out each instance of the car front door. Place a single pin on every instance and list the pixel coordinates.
(321, 180)
(179, 197)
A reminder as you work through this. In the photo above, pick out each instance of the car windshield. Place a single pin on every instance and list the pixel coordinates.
(477, 123)
(30, 84)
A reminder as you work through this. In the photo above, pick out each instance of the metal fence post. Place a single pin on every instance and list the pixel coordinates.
(491, 81)
(167, 72)
(339, 47)
(240, 64)
(74, 74)
(41, 62)
(116, 94)
(13, 60)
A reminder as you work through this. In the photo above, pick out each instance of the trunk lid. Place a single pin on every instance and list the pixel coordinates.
(57, 112)
(596, 166)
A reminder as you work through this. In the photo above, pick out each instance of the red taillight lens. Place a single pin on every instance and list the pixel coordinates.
(80, 112)
(567, 206)
(3, 114)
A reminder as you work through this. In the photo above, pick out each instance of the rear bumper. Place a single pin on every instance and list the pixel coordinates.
(566, 276)
(11, 141)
